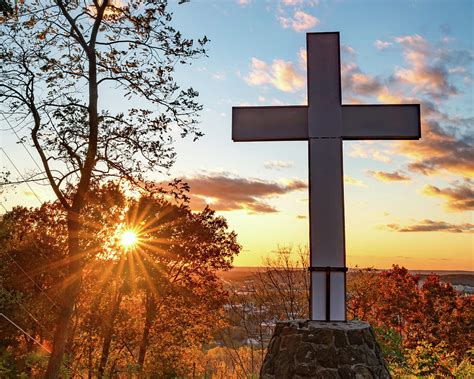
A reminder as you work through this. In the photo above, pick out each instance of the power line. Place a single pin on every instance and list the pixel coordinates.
(34, 318)
(21, 175)
(35, 283)
(26, 333)
(37, 342)
(19, 139)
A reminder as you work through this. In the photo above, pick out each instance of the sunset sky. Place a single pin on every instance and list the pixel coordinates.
(407, 202)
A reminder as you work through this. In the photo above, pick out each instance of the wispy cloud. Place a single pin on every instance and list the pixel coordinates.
(381, 45)
(353, 181)
(226, 192)
(278, 165)
(384, 176)
(366, 150)
(280, 74)
(431, 226)
(219, 76)
(294, 3)
(244, 2)
(300, 21)
(459, 197)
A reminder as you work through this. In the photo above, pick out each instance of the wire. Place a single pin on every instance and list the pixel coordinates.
(34, 318)
(19, 139)
(21, 175)
(27, 334)
(37, 342)
(35, 283)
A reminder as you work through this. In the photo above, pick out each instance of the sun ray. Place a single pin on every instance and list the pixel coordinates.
(57, 264)
(147, 276)
(131, 267)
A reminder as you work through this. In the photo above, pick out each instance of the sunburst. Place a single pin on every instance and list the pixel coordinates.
(128, 239)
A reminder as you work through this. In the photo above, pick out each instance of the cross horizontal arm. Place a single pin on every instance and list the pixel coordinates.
(270, 123)
(381, 121)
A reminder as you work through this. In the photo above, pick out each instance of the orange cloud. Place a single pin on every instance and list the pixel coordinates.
(460, 197)
(300, 22)
(383, 176)
(224, 192)
(439, 150)
(281, 74)
(426, 72)
(432, 226)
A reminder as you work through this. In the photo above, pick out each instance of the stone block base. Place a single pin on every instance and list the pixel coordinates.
(315, 349)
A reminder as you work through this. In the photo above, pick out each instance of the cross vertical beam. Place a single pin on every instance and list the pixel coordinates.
(326, 194)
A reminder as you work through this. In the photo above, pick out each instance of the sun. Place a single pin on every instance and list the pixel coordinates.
(128, 239)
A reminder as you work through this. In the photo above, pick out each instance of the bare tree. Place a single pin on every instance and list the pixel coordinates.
(57, 56)
(277, 291)
(283, 284)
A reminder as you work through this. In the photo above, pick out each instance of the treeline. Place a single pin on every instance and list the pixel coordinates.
(424, 326)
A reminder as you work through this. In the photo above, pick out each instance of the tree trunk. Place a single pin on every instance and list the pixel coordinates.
(69, 297)
(108, 332)
(74, 210)
(150, 307)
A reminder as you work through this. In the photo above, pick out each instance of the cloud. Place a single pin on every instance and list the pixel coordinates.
(353, 181)
(439, 150)
(444, 147)
(291, 3)
(294, 3)
(460, 197)
(383, 176)
(426, 71)
(355, 82)
(219, 76)
(300, 22)
(432, 226)
(302, 58)
(365, 150)
(381, 45)
(278, 165)
(243, 2)
(225, 192)
(281, 74)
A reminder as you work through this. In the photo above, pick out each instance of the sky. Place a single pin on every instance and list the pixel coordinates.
(406, 202)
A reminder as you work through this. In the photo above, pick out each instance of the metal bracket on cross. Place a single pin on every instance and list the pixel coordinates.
(325, 123)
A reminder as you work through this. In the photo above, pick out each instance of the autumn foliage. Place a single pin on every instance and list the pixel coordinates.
(146, 310)
(415, 318)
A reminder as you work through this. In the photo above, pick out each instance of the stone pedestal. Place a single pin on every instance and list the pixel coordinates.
(315, 349)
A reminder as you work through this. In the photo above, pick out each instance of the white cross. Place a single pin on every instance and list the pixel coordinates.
(325, 123)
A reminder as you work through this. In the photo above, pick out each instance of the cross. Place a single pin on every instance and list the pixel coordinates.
(325, 123)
